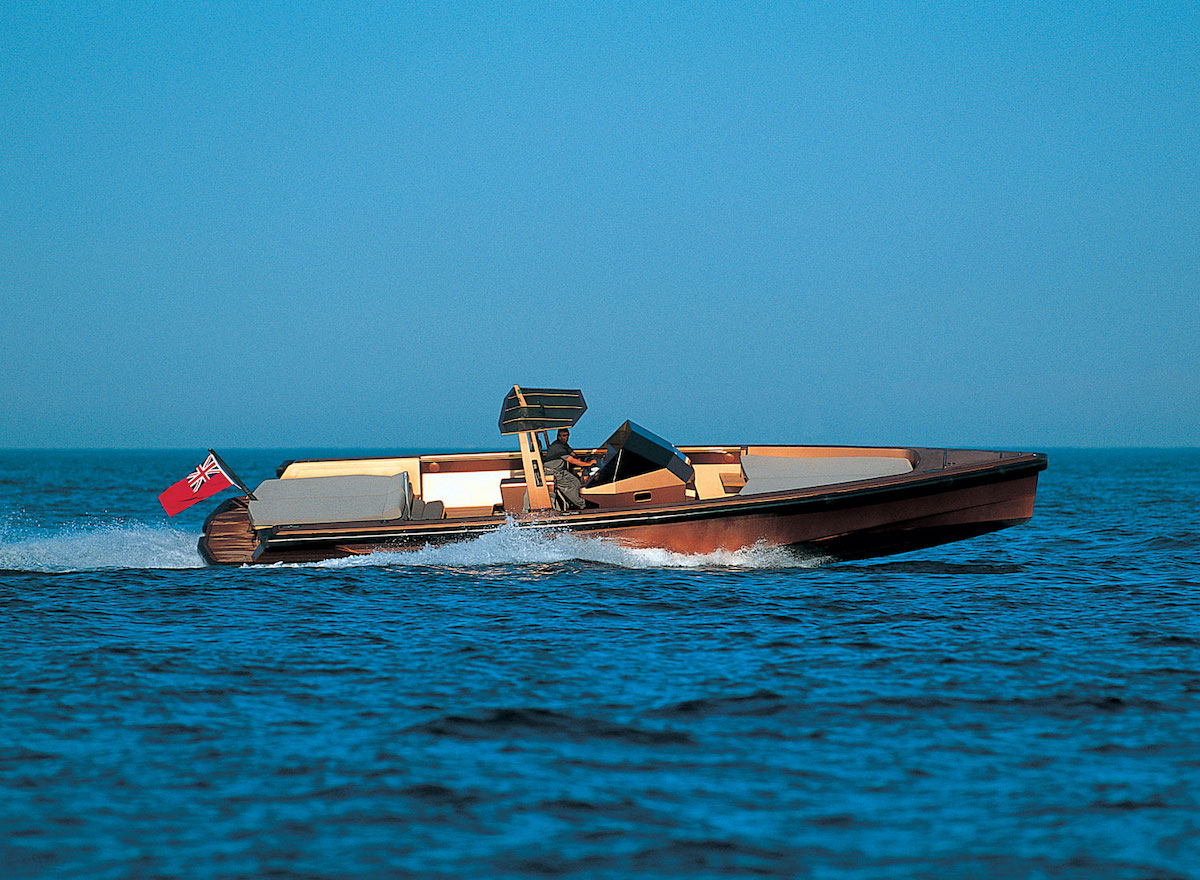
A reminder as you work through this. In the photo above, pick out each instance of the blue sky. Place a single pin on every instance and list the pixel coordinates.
(300, 224)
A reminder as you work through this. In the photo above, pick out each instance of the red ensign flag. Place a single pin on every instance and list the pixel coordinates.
(204, 482)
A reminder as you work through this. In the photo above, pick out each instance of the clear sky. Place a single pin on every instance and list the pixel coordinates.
(307, 224)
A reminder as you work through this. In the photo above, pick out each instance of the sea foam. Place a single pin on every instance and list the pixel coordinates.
(113, 545)
(132, 545)
(511, 545)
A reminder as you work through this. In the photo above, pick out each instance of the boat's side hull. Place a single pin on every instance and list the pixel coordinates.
(228, 537)
(888, 516)
(869, 525)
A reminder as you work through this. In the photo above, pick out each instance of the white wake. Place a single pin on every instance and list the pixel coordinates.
(131, 545)
(510, 545)
(92, 547)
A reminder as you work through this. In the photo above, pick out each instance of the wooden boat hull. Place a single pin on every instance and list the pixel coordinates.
(930, 506)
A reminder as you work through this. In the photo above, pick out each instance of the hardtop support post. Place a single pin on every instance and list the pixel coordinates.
(535, 469)
(535, 479)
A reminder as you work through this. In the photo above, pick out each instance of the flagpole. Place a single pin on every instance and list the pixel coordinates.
(229, 473)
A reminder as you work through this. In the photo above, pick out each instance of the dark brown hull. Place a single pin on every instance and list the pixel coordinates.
(933, 505)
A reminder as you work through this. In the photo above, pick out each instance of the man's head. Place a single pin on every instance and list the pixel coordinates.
(563, 435)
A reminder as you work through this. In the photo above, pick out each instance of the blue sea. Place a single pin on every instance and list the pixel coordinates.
(1022, 705)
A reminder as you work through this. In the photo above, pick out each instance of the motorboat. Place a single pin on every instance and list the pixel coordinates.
(841, 502)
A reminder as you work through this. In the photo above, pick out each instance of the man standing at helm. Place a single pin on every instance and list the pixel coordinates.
(557, 458)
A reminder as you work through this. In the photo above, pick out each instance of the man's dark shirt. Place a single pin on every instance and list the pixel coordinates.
(557, 450)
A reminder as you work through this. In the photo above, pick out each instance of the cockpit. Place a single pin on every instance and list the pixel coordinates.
(638, 467)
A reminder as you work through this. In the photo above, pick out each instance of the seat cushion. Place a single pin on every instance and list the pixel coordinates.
(354, 498)
(771, 473)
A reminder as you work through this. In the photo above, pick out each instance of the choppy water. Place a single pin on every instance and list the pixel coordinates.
(1021, 705)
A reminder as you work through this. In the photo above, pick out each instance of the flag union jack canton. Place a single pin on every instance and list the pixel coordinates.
(202, 474)
(205, 481)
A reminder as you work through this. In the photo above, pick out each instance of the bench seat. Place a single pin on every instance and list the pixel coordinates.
(353, 498)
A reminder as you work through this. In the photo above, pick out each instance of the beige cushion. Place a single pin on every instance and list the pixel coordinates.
(771, 473)
(355, 498)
